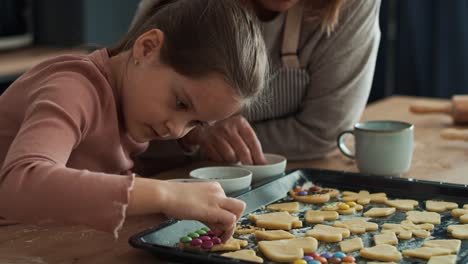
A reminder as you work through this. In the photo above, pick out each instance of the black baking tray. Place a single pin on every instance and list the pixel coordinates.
(161, 240)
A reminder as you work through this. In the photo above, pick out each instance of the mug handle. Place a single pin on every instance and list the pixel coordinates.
(342, 147)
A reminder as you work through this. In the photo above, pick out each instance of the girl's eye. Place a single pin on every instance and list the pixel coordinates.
(180, 104)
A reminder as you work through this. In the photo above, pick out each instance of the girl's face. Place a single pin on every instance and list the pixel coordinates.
(159, 103)
(276, 5)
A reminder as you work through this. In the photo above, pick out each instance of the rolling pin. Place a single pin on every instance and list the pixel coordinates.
(454, 134)
(457, 108)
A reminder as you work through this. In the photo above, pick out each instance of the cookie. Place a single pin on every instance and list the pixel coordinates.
(351, 245)
(287, 250)
(364, 197)
(328, 233)
(291, 207)
(245, 254)
(458, 231)
(380, 212)
(440, 206)
(388, 238)
(447, 259)
(246, 229)
(347, 208)
(357, 225)
(423, 217)
(231, 245)
(317, 217)
(402, 204)
(462, 214)
(277, 220)
(382, 252)
(273, 235)
(452, 244)
(425, 252)
(314, 194)
(406, 229)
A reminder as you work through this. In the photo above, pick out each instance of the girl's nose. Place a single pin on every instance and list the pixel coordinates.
(178, 128)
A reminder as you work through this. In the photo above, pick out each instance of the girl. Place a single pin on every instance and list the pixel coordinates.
(70, 126)
(323, 55)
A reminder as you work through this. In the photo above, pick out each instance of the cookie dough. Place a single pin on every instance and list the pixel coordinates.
(458, 231)
(388, 238)
(287, 250)
(277, 220)
(406, 229)
(245, 254)
(380, 212)
(357, 225)
(423, 217)
(328, 233)
(462, 214)
(317, 217)
(291, 207)
(312, 198)
(402, 204)
(351, 245)
(426, 252)
(364, 197)
(382, 252)
(440, 206)
(343, 208)
(452, 244)
(448, 259)
(273, 235)
(231, 245)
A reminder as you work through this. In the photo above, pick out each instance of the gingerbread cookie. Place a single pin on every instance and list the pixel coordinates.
(423, 217)
(246, 229)
(458, 231)
(388, 238)
(357, 225)
(277, 220)
(347, 208)
(351, 245)
(425, 252)
(231, 245)
(364, 197)
(291, 207)
(440, 206)
(313, 195)
(273, 235)
(452, 244)
(380, 212)
(402, 204)
(317, 217)
(245, 254)
(462, 214)
(328, 233)
(447, 259)
(382, 252)
(406, 229)
(287, 250)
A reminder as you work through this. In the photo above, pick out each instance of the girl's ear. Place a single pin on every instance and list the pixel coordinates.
(148, 45)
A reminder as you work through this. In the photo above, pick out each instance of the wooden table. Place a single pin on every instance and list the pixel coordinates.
(434, 159)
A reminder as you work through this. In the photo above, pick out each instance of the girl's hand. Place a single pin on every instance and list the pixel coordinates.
(205, 202)
(231, 140)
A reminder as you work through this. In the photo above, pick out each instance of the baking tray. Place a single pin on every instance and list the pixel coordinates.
(161, 240)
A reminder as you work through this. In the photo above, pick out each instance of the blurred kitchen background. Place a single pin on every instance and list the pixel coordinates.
(423, 52)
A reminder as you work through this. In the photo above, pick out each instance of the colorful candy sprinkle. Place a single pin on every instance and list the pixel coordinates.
(302, 193)
(321, 259)
(300, 261)
(196, 242)
(326, 255)
(351, 204)
(348, 259)
(193, 235)
(298, 189)
(185, 239)
(314, 262)
(210, 233)
(205, 238)
(216, 240)
(343, 206)
(339, 255)
(314, 189)
(308, 258)
(207, 244)
(206, 229)
(313, 254)
(334, 260)
(201, 232)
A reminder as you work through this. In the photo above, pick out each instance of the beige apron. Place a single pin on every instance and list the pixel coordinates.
(288, 85)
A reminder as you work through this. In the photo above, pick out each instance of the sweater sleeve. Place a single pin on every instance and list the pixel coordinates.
(36, 186)
(341, 70)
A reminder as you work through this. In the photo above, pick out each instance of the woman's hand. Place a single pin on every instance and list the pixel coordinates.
(231, 140)
(205, 202)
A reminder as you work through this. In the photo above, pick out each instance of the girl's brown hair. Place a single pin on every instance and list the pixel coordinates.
(205, 37)
(325, 12)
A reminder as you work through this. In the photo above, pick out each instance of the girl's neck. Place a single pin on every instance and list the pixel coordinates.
(263, 14)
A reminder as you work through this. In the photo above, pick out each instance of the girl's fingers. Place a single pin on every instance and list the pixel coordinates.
(234, 206)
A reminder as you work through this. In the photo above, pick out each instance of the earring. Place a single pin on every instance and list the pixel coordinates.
(136, 62)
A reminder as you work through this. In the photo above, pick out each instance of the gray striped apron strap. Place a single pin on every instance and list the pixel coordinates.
(291, 34)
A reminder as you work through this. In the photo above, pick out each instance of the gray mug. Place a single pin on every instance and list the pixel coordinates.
(381, 147)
